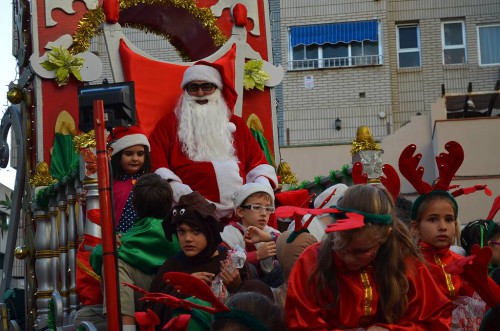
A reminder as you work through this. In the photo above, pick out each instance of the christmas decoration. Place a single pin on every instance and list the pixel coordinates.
(64, 64)
(254, 75)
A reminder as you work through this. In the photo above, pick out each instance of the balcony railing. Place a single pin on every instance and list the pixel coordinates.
(336, 62)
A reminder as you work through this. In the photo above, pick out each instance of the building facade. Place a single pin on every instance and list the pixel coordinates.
(378, 63)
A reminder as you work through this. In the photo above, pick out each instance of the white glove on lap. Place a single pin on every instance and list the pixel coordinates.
(179, 190)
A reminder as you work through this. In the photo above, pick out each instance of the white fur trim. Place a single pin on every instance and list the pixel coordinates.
(264, 170)
(228, 182)
(167, 174)
(232, 237)
(250, 188)
(129, 141)
(339, 191)
(202, 72)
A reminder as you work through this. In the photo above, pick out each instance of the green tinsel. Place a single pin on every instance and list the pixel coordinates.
(51, 322)
(335, 177)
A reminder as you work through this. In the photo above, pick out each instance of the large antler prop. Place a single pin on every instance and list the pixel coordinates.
(448, 164)
(408, 166)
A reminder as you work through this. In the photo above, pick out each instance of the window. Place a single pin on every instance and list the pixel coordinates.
(489, 44)
(408, 37)
(335, 45)
(453, 38)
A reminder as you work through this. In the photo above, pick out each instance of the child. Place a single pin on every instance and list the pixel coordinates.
(484, 232)
(144, 248)
(366, 273)
(197, 226)
(130, 158)
(434, 222)
(254, 203)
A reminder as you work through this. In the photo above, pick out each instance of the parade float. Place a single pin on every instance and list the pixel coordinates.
(53, 132)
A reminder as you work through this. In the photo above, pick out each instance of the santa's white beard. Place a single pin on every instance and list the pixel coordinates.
(204, 130)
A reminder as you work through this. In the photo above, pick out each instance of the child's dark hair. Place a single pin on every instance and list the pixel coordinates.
(260, 314)
(403, 209)
(118, 170)
(152, 196)
(478, 232)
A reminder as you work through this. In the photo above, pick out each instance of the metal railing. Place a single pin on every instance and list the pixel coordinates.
(336, 62)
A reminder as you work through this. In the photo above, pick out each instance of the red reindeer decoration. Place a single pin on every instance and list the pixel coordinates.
(390, 181)
(448, 164)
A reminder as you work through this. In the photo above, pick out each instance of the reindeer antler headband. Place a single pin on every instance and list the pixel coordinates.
(390, 181)
(447, 163)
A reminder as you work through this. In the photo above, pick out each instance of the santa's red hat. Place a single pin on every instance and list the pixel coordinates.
(213, 73)
(124, 137)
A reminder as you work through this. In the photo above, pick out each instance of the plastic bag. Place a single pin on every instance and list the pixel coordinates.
(219, 289)
(468, 313)
(238, 256)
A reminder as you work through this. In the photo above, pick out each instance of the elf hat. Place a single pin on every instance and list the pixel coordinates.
(124, 137)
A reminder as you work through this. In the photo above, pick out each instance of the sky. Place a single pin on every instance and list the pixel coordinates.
(7, 74)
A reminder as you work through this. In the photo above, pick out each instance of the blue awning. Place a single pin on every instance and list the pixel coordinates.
(334, 33)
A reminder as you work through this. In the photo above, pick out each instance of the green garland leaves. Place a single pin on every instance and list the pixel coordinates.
(319, 183)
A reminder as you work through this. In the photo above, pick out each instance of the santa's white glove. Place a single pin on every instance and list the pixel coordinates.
(263, 180)
(179, 190)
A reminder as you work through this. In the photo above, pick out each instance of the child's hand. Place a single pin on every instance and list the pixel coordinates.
(207, 277)
(266, 249)
(230, 276)
(82, 198)
(118, 240)
(256, 235)
(376, 328)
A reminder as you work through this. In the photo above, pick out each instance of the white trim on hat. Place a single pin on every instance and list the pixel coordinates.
(249, 189)
(129, 141)
(202, 72)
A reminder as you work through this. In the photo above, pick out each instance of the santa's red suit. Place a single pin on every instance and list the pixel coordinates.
(217, 181)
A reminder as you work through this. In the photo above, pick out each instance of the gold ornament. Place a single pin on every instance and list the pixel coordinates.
(84, 141)
(87, 26)
(286, 175)
(15, 95)
(21, 252)
(364, 141)
(42, 175)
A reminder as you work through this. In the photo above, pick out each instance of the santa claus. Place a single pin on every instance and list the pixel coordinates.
(203, 147)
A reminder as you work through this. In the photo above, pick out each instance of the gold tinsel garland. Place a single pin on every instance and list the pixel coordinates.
(93, 18)
(285, 172)
(42, 175)
(364, 146)
(84, 141)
